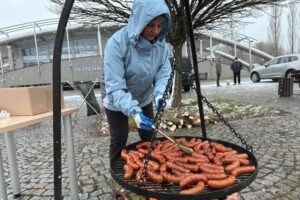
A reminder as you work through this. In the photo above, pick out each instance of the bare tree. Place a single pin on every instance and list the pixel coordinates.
(275, 28)
(206, 14)
(292, 26)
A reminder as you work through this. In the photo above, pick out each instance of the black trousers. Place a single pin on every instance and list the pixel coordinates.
(118, 126)
(237, 75)
(218, 79)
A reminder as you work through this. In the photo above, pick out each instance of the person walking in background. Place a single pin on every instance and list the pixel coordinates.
(218, 71)
(136, 71)
(236, 67)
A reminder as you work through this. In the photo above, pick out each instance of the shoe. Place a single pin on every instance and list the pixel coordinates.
(219, 86)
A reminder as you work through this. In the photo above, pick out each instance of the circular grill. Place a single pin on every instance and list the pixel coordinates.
(168, 191)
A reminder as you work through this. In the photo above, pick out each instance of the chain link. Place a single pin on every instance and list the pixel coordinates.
(159, 113)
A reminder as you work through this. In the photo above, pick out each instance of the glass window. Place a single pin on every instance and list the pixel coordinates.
(274, 62)
(85, 47)
(284, 59)
(293, 58)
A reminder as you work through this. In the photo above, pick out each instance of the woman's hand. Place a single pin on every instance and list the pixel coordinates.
(143, 122)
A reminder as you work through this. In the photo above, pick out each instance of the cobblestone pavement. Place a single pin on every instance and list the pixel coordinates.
(275, 139)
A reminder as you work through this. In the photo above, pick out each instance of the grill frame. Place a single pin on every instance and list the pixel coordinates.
(155, 190)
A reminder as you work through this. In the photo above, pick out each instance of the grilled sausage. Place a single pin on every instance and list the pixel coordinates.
(197, 160)
(191, 167)
(221, 184)
(171, 178)
(154, 176)
(133, 164)
(158, 157)
(138, 177)
(191, 180)
(177, 167)
(211, 165)
(124, 154)
(243, 170)
(128, 172)
(233, 165)
(163, 167)
(213, 176)
(145, 145)
(194, 190)
(210, 170)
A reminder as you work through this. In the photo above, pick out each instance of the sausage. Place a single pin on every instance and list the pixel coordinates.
(128, 172)
(218, 160)
(212, 165)
(143, 151)
(191, 167)
(124, 154)
(138, 177)
(180, 173)
(139, 163)
(143, 145)
(199, 146)
(134, 156)
(197, 160)
(132, 163)
(194, 190)
(210, 170)
(213, 176)
(198, 155)
(221, 184)
(174, 159)
(153, 164)
(223, 154)
(154, 176)
(243, 170)
(158, 157)
(177, 167)
(171, 178)
(208, 152)
(163, 167)
(173, 153)
(220, 147)
(140, 155)
(191, 180)
(233, 165)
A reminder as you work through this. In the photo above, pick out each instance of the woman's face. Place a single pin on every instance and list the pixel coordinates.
(153, 29)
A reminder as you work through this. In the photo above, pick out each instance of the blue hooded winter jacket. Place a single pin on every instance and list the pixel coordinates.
(135, 70)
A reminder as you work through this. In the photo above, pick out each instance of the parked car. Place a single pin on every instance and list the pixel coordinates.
(279, 67)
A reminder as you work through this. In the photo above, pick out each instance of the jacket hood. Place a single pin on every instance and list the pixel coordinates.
(143, 11)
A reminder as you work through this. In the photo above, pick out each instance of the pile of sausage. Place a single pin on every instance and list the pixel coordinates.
(210, 165)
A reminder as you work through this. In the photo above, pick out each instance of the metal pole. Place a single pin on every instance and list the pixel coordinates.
(3, 194)
(250, 56)
(68, 43)
(235, 44)
(36, 47)
(56, 79)
(195, 64)
(13, 165)
(100, 43)
(201, 48)
(1, 63)
(71, 156)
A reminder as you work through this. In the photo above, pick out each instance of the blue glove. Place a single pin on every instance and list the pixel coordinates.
(143, 122)
(158, 103)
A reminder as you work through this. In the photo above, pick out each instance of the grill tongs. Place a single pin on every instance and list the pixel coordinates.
(185, 149)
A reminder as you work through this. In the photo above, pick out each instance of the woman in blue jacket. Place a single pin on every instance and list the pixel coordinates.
(136, 70)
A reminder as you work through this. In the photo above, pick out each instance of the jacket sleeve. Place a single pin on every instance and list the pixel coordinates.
(115, 83)
(163, 73)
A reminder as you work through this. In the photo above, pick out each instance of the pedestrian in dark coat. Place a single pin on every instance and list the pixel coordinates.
(236, 68)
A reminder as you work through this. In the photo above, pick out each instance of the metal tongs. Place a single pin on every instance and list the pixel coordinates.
(185, 149)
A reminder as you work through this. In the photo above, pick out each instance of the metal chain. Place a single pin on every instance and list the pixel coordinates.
(159, 113)
(226, 123)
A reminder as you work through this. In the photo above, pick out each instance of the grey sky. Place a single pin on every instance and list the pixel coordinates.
(14, 12)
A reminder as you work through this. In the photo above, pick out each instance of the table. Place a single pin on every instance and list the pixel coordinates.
(16, 122)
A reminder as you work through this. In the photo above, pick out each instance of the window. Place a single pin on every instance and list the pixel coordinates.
(284, 59)
(274, 62)
(293, 58)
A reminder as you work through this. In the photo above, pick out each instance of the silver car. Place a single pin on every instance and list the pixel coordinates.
(279, 67)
